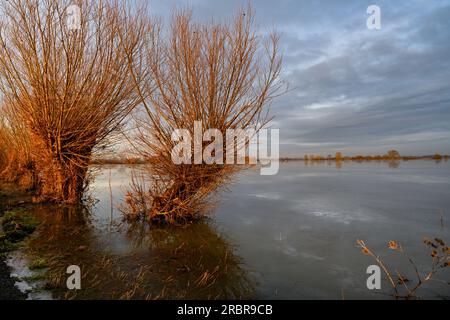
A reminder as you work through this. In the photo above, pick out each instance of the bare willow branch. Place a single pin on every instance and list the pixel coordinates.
(223, 74)
(71, 88)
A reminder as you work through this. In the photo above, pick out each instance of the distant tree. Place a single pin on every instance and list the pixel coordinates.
(437, 156)
(306, 157)
(338, 156)
(393, 154)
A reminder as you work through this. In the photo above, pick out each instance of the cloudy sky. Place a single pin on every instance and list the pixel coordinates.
(353, 89)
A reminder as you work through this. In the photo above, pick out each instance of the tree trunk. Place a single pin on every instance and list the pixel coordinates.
(60, 179)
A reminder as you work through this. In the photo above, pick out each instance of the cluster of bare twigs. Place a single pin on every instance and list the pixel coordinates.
(16, 164)
(403, 287)
(222, 74)
(68, 92)
(68, 89)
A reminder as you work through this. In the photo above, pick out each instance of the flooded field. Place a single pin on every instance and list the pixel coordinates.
(290, 236)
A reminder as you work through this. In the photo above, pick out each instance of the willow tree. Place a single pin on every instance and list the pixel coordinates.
(65, 74)
(16, 164)
(223, 75)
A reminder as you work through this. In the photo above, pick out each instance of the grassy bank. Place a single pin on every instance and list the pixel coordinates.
(15, 226)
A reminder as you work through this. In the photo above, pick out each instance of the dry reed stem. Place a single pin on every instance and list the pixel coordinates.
(440, 260)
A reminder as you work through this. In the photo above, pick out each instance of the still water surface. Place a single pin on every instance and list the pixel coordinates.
(289, 236)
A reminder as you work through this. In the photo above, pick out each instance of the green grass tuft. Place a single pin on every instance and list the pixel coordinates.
(17, 225)
(38, 263)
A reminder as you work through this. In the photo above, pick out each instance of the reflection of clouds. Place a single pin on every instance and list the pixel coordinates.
(346, 276)
(345, 217)
(104, 184)
(289, 250)
(268, 196)
(293, 252)
(314, 175)
(249, 221)
(418, 179)
(326, 210)
(311, 256)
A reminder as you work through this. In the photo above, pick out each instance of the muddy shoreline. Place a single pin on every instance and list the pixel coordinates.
(8, 289)
(9, 197)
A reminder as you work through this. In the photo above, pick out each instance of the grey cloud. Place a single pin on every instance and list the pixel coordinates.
(354, 89)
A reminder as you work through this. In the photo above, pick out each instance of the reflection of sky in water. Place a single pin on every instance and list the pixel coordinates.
(296, 231)
(301, 225)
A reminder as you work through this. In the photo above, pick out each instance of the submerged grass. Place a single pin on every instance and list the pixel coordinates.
(16, 226)
(38, 264)
(161, 263)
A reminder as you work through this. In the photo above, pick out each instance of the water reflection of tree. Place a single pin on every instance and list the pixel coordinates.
(194, 262)
(60, 224)
(394, 164)
(64, 237)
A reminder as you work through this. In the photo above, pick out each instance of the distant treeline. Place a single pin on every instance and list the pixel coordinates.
(390, 156)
